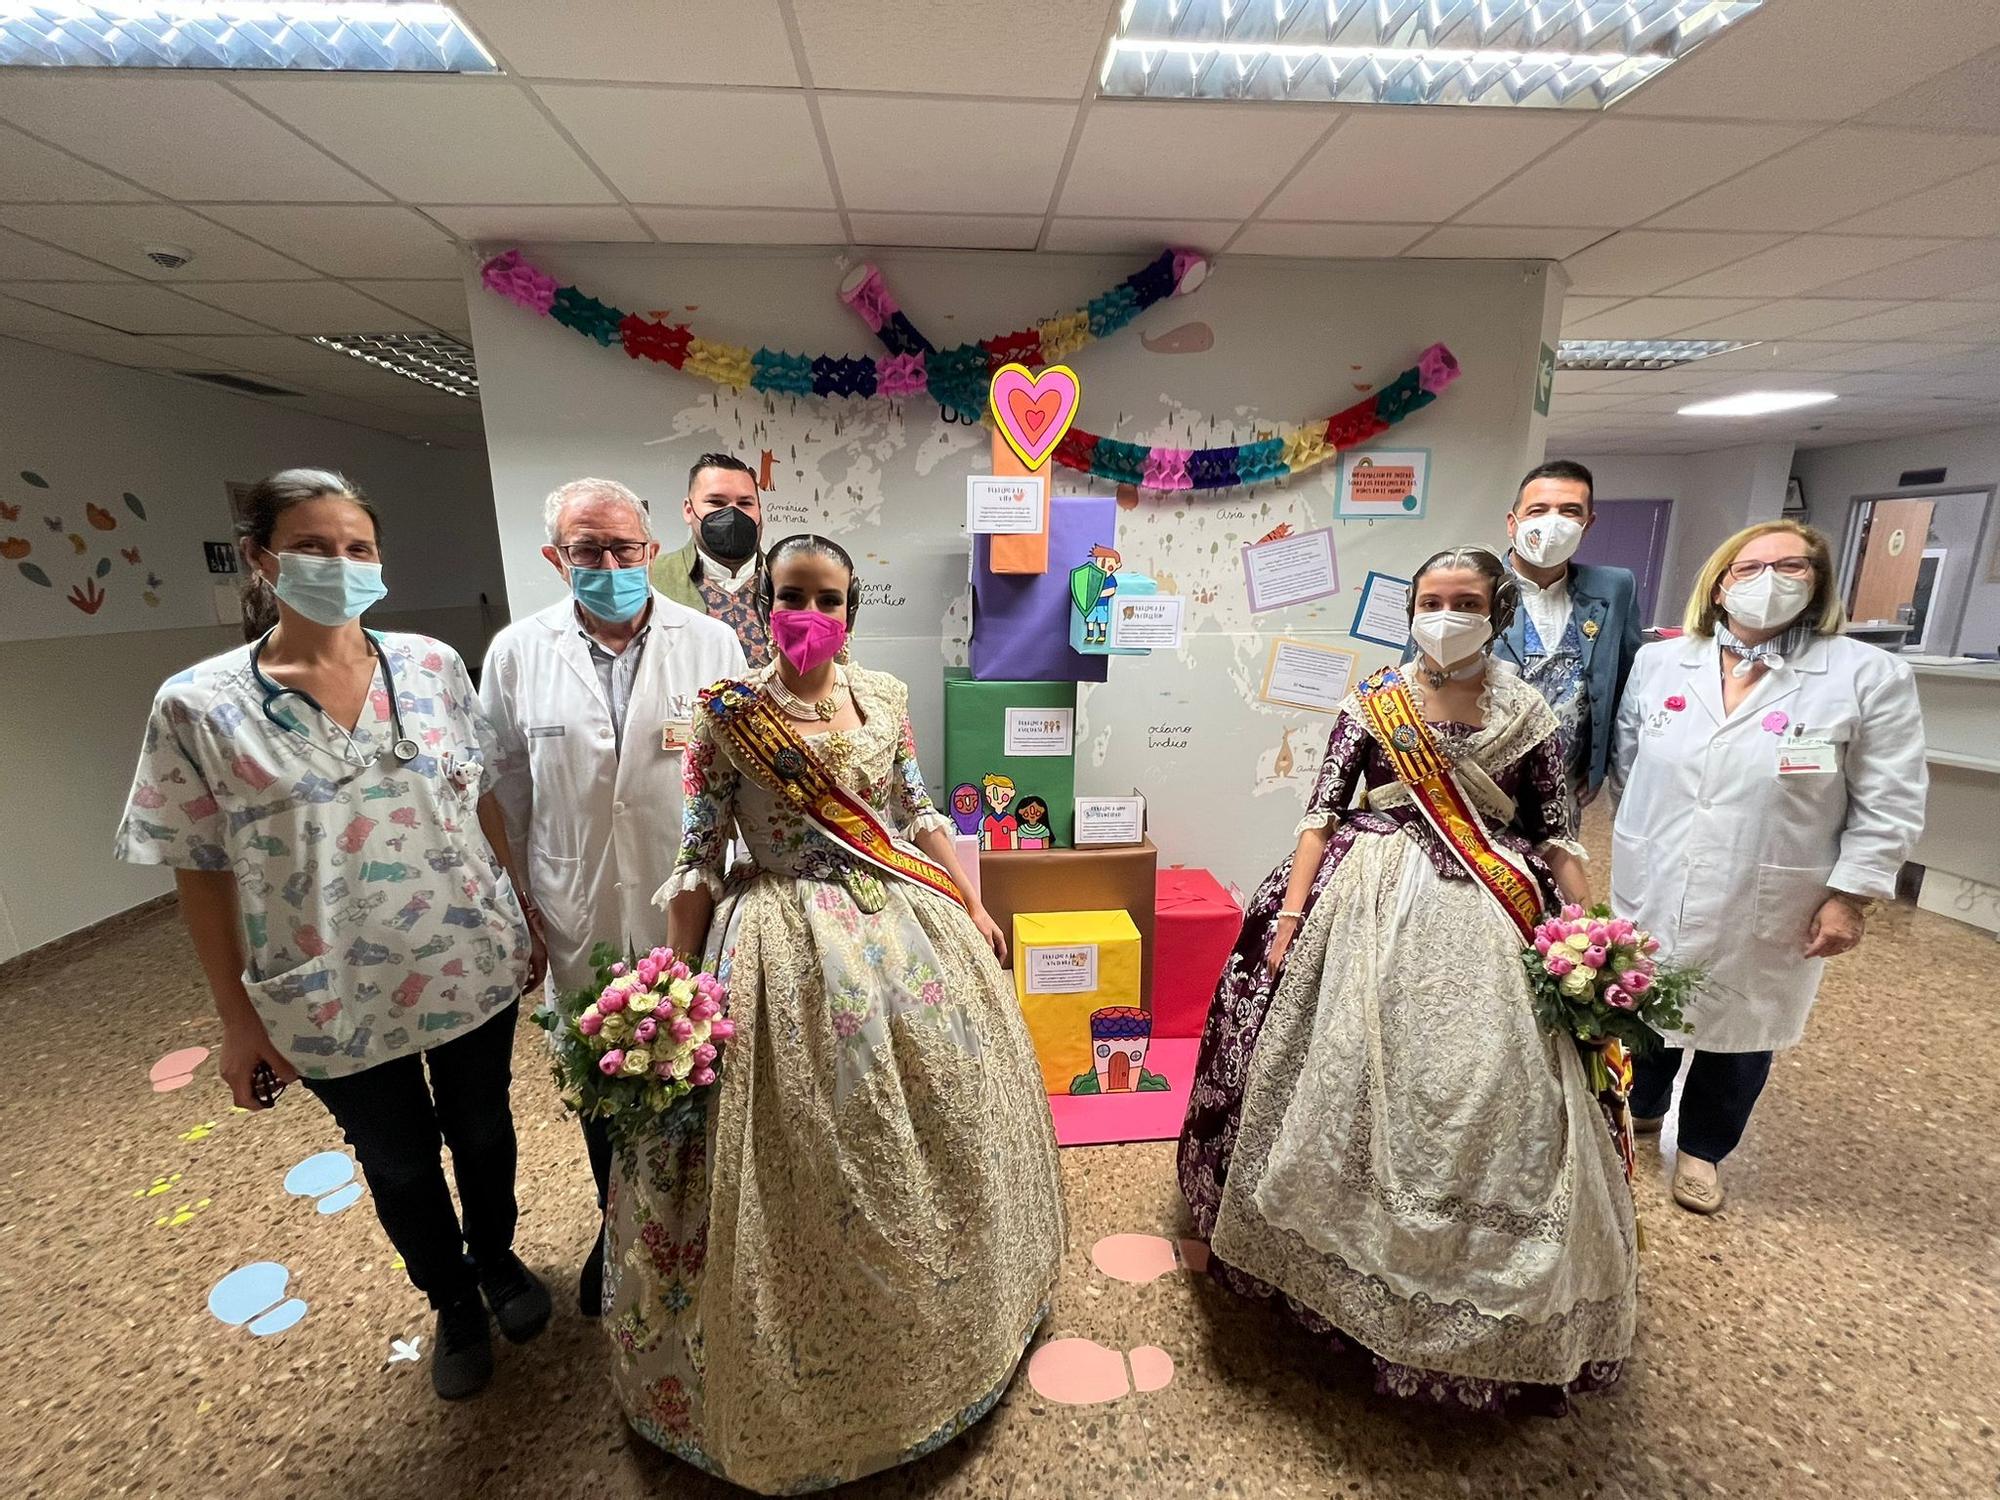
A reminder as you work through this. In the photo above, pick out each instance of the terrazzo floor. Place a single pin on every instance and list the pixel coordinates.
(1834, 1332)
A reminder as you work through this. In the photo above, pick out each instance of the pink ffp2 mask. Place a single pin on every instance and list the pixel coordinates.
(808, 639)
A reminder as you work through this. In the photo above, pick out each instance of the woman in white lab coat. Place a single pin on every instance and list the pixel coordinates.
(1773, 778)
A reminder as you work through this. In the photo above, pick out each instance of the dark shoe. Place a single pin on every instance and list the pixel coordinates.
(1647, 1124)
(590, 1283)
(462, 1355)
(519, 1301)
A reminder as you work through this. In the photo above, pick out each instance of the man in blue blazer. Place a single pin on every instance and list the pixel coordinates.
(1577, 629)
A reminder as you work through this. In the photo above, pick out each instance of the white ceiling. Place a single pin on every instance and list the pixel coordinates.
(1824, 177)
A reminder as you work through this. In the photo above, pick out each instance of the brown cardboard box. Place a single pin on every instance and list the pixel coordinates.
(1037, 880)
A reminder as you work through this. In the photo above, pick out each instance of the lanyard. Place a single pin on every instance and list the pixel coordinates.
(400, 745)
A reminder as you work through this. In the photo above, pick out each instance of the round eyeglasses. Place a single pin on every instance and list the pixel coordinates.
(1789, 567)
(592, 554)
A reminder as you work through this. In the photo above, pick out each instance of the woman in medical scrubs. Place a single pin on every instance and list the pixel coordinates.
(1773, 784)
(318, 793)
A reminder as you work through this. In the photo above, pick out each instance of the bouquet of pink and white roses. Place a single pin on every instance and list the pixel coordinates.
(1595, 977)
(641, 1043)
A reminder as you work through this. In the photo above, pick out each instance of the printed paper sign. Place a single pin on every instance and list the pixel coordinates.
(1383, 486)
(1040, 731)
(1147, 622)
(1110, 820)
(1290, 570)
(1302, 675)
(1383, 615)
(1068, 970)
(1002, 505)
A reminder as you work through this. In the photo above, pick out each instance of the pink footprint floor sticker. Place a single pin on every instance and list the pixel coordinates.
(1140, 1258)
(1082, 1372)
(176, 1069)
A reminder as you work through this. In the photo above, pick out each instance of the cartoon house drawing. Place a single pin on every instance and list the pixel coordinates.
(1119, 1037)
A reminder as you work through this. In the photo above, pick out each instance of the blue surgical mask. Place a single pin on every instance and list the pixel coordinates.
(614, 595)
(328, 590)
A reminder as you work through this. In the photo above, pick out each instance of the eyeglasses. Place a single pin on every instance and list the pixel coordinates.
(1789, 567)
(591, 554)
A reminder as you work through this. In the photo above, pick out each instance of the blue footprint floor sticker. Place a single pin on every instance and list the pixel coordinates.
(253, 1296)
(327, 1176)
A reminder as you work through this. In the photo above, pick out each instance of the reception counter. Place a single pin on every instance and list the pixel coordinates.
(1960, 849)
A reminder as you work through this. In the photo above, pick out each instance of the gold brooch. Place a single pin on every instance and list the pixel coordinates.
(1590, 628)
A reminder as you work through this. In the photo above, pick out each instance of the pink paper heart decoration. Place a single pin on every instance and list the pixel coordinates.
(1034, 411)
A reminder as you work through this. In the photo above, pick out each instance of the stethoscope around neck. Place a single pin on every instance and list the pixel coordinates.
(401, 746)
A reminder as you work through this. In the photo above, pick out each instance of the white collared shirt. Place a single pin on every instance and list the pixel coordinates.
(723, 578)
(1550, 608)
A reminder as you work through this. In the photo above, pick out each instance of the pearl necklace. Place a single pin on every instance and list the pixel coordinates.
(798, 708)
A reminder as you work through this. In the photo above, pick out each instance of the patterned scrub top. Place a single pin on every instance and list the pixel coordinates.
(376, 921)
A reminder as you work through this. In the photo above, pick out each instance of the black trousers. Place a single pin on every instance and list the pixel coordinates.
(1716, 1100)
(597, 1141)
(395, 1119)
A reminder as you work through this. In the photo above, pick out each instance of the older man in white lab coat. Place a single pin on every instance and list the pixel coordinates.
(591, 701)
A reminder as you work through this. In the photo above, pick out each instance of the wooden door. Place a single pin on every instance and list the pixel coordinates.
(1892, 553)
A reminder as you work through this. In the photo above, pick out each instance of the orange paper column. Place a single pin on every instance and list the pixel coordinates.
(1026, 552)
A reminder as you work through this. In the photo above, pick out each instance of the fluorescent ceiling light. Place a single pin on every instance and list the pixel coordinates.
(305, 35)
(1757, 403)
(429, 359)
(1640, 354)
(1543, 54)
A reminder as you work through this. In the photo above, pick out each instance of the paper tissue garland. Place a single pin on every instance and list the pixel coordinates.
(959, 378)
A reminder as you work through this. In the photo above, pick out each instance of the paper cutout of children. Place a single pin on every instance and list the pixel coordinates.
(965, 807)
(996, 829)
(1033, 832)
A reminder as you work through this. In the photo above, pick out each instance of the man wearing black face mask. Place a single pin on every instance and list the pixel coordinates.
(716, 572)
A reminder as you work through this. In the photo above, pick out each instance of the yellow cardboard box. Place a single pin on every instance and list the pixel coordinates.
(1066, 965)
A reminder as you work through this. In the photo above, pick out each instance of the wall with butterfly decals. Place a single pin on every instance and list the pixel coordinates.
(111, 481)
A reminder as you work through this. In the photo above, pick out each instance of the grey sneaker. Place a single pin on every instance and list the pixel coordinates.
(462, 1353)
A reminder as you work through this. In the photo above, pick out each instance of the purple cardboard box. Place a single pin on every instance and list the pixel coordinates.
(1020, 621)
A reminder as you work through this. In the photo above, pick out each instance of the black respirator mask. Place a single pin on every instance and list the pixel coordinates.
(729, 535)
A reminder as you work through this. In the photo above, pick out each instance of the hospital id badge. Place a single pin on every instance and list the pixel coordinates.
(675, 734)
(1803, 757)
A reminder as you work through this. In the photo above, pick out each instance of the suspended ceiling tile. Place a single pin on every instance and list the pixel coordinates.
(1968, 205)
(1883, 356)
(1616, 172)
(1801, 265)
(23, 259)
(310, 307)
(946, 155)
(1784, 319)
(481, 140)
(189, 138)
(1833, 176)
(526, 224)
(118, 233)
(1965, 98)
(120, 349)
(1824, 60)
(130, 307)
(268, 352)
(1913, 320)
(640, 41)
(1200, 161)
(348, 239)
(1139, 236)
(1402, 164)
(1026, 49)
(1965, 267)
(1335, 241)
(743, 226)
(439, 303)
(697, 145)
(948, 231)
(1637, 261)
(1656, 317)
(1493, 242)
(1576, 309)
(31, 172)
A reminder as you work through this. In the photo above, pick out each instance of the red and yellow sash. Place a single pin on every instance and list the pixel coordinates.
(1414, 756)
(778, 756)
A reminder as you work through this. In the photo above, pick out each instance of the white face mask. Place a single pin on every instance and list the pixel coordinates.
(1547, 540)
(1767, 601)
(1450, 636)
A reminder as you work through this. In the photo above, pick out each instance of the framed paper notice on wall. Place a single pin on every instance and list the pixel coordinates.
(1383, 486)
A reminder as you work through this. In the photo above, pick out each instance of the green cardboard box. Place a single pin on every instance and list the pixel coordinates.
(986, 788)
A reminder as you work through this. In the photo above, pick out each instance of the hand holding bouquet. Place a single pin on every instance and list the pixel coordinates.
(634, 1048)
(1595, 977)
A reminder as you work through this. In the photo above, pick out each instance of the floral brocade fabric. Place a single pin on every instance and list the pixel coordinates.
(838, 1267)
(1382, 1139)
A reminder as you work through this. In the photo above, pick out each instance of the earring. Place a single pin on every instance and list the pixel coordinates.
(843, 655)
